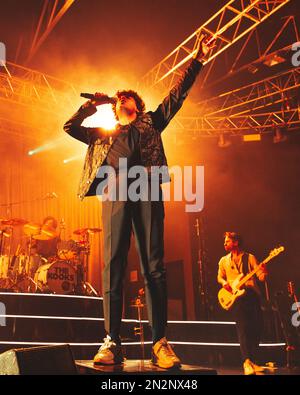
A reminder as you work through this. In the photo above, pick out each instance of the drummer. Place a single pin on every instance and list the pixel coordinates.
(47, 246)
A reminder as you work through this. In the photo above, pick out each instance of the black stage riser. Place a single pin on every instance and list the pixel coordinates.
(72, 329)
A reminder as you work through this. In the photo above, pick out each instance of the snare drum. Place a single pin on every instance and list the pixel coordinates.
(57, 277)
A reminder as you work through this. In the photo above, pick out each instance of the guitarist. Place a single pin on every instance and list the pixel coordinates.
(246, 310)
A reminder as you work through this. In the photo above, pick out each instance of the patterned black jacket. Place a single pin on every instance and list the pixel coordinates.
(149, 125)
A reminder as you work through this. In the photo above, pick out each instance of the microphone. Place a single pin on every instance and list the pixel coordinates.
(106, 99)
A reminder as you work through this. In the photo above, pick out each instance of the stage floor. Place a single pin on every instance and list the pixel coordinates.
(135, 366)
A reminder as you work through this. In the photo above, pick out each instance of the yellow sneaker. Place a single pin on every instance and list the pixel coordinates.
(164, 356)
(248, 368)
(109, 353)
(257, 368)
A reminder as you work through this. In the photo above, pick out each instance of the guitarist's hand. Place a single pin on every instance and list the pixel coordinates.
(227, 287)
(249, 283)
(262, 274)
(263, 267)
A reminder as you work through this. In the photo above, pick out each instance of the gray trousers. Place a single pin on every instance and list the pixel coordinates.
(146, 218)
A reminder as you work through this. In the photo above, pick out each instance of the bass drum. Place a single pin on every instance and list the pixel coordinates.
(58, 277)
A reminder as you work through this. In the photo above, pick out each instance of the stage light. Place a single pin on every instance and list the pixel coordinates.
(21, 294)
(274, 60)
(72, 158)
(104, 118)
(46, 147)
(279, 135)
(133, 343)
(223, 141)
(251, 137)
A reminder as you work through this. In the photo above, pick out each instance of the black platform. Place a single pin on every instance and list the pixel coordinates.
(47, 319)
(137, 366)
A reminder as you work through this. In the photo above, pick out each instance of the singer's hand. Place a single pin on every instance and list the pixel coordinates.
(101, 98)
(205, 44)
(87, 104)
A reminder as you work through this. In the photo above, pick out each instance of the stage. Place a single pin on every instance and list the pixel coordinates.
(47, 320)
(144, 367)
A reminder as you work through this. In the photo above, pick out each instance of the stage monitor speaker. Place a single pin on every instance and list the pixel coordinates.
(46, 360)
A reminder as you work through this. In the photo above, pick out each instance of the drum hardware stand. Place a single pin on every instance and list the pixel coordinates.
(82, 274)
(27, 269)
(139, 304)
(269, 312)
(200, 263)
(62, 229)
(9, 235)
(2, 233)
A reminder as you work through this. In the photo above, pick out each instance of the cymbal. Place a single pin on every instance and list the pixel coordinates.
(86, 230)
(42, 237)
(46, 233)
(32, 229)
(14, 222)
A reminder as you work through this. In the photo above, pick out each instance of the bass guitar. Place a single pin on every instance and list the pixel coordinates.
(226, 298)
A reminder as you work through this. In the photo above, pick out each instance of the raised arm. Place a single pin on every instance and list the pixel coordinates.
(174, 100)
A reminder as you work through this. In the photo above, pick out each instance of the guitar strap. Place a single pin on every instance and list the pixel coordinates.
(245, 265)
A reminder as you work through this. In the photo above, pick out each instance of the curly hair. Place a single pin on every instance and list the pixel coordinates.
(130, 93)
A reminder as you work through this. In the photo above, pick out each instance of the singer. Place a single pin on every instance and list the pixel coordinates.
(137, 137)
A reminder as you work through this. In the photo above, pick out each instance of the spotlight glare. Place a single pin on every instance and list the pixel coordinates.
(72, 158)
(47, 146)
(104, 118)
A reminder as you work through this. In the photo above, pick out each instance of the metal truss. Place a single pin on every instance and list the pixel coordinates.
(228, 25)
(261, 94)
(52, 12)
(237, 124)
(278, 48)
(22, 85)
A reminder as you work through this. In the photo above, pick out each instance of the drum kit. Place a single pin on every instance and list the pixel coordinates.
(27, 270)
